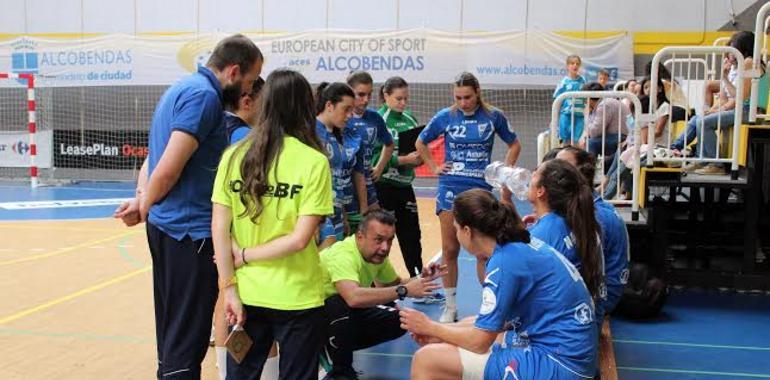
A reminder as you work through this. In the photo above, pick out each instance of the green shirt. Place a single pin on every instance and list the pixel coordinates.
(393, 174)
(343, 261)
(293, 282)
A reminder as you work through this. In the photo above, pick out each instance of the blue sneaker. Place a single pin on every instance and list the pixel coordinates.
(431, 299)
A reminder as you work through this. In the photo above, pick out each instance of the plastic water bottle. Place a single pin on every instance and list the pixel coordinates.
(516, 179)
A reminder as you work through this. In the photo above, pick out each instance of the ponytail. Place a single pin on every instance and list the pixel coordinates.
(569, 196)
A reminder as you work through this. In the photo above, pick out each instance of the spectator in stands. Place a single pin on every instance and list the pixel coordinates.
(603, 78)
(722, 114)
(671, 103)
(571, 116)
(607, 123)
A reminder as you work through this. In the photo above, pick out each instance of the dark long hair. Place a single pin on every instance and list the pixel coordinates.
(332, 92)
(570, 197)
(585, 163)
(478, 209)
(287, 109)
(390, 85)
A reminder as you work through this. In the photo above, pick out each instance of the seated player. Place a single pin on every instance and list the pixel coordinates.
(531, 294)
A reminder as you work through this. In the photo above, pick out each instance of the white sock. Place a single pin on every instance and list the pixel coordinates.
(451, 298)
(270, 370)
(221, 361)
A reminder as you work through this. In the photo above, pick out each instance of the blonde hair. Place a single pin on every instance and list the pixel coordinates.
(574, 56)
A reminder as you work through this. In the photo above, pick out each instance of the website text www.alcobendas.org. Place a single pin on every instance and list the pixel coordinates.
(511, 69)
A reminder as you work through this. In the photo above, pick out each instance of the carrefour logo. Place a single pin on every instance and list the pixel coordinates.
(20, 147)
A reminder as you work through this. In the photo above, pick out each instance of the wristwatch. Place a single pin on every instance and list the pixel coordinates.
(401, 291)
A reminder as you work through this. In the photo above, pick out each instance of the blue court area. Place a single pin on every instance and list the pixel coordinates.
(84, 200)
(700, 335)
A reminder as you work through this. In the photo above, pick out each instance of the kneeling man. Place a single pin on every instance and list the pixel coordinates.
(361, 287)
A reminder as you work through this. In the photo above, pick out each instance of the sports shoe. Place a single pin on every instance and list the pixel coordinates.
(342, 374)
(711, 170)
(449, 315)
(325, 361)
(431, 299)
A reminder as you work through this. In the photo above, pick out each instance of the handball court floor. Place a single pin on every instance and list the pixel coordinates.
(77, 302)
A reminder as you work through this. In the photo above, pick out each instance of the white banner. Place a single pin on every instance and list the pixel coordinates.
(418, 55)
(14, 149)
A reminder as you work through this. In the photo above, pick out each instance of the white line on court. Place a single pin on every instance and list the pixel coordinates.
(30, 205)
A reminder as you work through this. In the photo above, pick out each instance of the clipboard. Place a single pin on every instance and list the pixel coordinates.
(407, 139)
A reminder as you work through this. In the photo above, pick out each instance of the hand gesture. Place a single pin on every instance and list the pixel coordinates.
(434, 271)
(128, 212)
(415, 322)
(421, 287)
(376, 174)
(529, 220)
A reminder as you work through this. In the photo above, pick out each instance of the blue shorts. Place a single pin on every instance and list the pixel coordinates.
(516, 363)
(565, 127)
(371, 193)
(445, 194)
(333, 226)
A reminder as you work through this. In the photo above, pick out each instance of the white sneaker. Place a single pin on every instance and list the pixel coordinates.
(449, 315)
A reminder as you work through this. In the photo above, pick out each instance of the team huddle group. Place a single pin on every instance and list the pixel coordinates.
(273, 208)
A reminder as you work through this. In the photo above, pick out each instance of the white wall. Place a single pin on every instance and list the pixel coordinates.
(145, 16)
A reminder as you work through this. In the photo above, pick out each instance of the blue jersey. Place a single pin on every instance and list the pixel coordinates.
(553, 230)
(193, 106)
(372, 131)
(616, 252)
(567, 85)
(468, 141)
(236, 128)
(533, 294)
(344, 158)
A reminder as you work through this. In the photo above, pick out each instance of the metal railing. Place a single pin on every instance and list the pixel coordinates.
(690, 51)
(552, 136)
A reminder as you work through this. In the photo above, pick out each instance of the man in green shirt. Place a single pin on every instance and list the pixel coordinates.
(360, 286)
